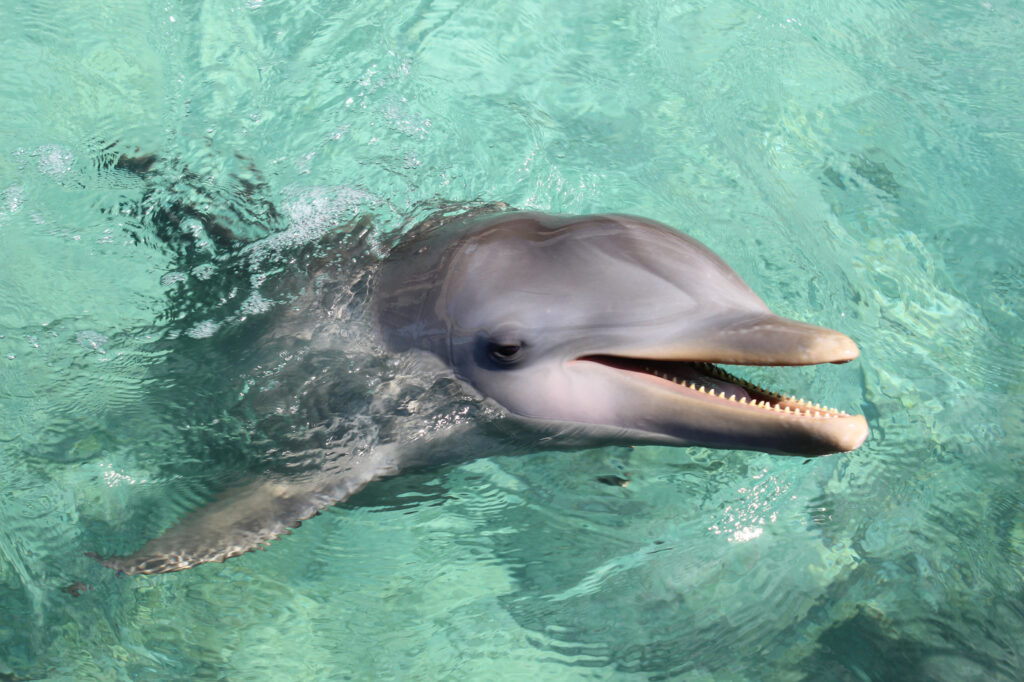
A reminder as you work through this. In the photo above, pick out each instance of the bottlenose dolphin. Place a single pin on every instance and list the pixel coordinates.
(545, 332)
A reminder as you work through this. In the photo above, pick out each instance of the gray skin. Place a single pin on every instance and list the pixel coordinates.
(560, 332)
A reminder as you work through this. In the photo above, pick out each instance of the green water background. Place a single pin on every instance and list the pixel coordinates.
(859, 164)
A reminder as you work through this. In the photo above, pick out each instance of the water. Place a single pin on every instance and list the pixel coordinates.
(859, 164)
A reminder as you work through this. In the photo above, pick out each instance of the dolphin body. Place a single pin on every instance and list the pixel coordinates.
(537, 332)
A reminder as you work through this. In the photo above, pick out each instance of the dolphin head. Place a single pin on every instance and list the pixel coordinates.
(609, 328)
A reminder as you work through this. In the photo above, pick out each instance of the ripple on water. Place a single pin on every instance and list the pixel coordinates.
(860, 167)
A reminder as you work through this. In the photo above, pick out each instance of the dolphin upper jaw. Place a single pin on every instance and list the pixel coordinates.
(741, 338)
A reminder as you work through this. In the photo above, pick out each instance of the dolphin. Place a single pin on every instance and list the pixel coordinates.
(538, 332)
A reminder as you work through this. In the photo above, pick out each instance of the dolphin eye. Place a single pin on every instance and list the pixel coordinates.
(505, 353)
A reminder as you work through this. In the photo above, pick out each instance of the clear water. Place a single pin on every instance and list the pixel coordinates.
(860, 164)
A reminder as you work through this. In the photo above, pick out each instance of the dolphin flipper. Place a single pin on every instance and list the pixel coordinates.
(243, 518)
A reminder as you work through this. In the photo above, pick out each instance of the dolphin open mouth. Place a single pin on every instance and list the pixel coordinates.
(698, 401)
(679, 389)
(706, 381)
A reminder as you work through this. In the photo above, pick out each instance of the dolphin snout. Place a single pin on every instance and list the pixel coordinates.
(774, 340)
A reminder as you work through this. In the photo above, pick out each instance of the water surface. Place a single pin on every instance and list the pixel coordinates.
(858, 164)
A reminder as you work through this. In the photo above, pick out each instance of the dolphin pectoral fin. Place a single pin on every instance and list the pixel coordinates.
(243, 518)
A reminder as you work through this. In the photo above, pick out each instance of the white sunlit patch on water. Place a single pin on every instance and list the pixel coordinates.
(171, 278)
(317, 208)
(54, 160)
(255, 303)
(397, 116)
(92, 340)
(204, 329)
(747, 519)
(13, 197)
(312, 213)
(114, 479)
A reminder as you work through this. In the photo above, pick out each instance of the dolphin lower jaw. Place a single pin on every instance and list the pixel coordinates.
(702, 404)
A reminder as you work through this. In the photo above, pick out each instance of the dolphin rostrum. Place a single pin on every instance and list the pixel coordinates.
(549, 332)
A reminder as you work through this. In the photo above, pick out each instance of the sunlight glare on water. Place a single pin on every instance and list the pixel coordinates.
(859, 165)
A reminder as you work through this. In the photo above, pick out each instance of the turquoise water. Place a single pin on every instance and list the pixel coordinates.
(859, 164)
